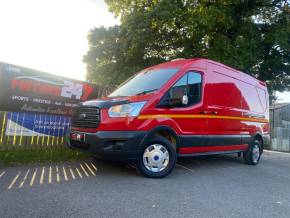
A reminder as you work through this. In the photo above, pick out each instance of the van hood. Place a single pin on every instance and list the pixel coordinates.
(108, 102)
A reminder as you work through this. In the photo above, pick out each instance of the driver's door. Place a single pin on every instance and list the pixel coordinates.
(188, 117)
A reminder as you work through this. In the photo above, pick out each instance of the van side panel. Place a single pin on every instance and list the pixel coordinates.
(235, 94)
(232, 103)
(252, 102)
(224, 100)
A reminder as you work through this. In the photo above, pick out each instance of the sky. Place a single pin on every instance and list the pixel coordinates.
(51, 35)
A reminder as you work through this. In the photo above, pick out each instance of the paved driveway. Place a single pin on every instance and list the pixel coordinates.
(216, 186)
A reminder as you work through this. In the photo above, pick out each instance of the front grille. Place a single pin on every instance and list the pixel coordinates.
(86, 117)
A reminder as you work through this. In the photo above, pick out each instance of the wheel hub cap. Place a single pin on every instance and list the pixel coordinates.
(255, 153)
(156, 158)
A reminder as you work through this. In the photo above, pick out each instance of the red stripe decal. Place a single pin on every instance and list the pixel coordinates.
(191, 150)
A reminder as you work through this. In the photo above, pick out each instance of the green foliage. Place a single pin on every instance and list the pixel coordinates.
(12, 158)
(252, 36)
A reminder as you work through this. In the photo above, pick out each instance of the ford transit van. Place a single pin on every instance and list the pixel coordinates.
(176, 109)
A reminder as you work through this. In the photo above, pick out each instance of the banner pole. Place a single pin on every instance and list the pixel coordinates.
(21, 130)
(33, 132)
(3, 127)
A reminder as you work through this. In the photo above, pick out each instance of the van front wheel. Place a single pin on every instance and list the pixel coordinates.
(158, 158)
(253, 155)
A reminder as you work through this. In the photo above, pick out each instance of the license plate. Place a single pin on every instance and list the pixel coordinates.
(77, 136)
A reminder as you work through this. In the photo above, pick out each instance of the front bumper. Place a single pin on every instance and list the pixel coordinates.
(113, 145)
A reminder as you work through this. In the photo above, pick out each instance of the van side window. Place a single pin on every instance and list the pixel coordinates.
(194, 88)
(263, 98)
(190, 85)
(252, 101)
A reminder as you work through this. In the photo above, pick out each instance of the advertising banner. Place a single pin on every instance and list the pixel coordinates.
(27, 90)
(28, 124)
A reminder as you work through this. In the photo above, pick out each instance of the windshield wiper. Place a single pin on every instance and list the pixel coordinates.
(147, 91)
(118, 96)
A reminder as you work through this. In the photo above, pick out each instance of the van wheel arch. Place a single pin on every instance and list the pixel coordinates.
(165, 132)
(259, 138)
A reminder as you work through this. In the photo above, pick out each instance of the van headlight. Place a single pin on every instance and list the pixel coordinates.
(126, 110)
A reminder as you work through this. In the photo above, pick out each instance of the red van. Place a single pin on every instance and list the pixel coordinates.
(180, 108)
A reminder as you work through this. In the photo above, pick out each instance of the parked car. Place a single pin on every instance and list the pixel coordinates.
(176, 109)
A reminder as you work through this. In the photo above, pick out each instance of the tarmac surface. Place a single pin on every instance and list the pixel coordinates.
(208, 186)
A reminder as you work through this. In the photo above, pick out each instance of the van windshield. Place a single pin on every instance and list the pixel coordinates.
(145, 82)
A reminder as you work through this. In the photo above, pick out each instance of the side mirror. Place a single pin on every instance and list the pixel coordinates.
(184, 99)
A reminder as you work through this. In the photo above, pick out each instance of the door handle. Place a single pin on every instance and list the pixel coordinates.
(214, 112)
(203, 112)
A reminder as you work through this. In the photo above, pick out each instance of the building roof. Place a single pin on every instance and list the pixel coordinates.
(279, 105)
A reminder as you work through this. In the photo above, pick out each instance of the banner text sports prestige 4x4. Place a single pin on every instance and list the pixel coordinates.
(179, 108)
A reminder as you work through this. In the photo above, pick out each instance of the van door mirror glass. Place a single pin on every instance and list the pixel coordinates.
(185, 100)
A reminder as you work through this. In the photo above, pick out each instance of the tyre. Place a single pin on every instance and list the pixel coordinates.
(157, 159)
(253, 155)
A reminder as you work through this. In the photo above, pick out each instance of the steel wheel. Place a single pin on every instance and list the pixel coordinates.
(156, 158)
(255, 154)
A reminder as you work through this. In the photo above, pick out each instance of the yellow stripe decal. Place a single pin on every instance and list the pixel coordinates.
(183, 116)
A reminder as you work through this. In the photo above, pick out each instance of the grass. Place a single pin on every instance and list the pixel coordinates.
(15, 158)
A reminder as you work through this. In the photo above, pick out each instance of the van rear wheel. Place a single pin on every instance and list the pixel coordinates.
(253, 155)
(157, 159)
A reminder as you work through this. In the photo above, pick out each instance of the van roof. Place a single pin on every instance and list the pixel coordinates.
(242, 74)
(201, 63)
(177, 63)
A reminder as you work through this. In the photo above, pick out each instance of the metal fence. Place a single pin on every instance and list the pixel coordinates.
(280, 127)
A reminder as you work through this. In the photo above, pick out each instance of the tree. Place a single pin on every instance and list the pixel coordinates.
(250, 35)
